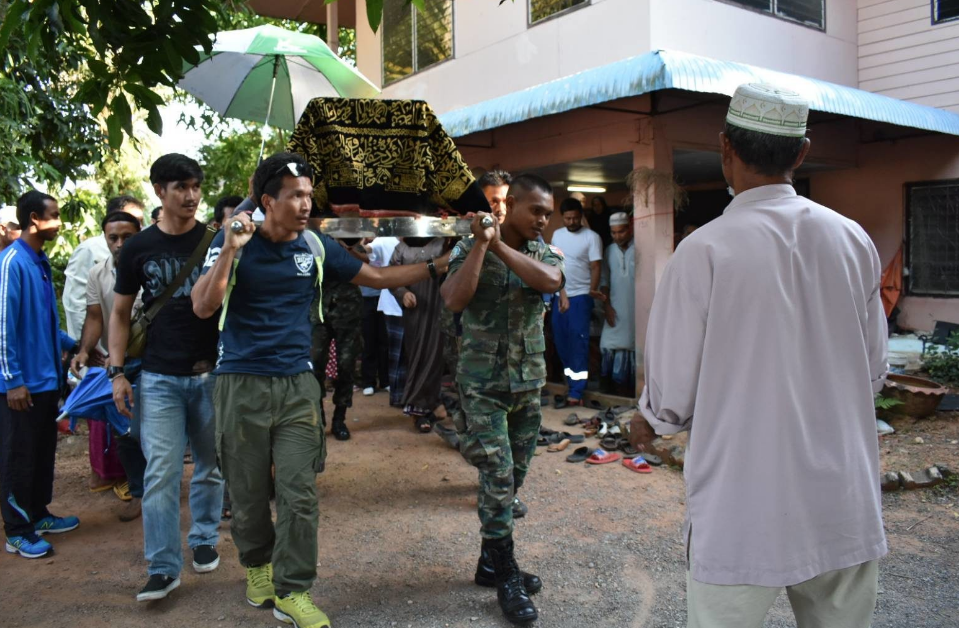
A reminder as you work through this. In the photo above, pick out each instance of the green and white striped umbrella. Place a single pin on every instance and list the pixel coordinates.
(267, 74)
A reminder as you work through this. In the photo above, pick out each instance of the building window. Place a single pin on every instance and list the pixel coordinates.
(539, 10)
(413, 40)
(932, 215)
(945, 11)
(808, 12)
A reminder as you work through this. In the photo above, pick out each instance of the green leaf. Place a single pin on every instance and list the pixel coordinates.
(143, 95)
(374, 13)
(419, 4)
(154, 120)
(121, 108)
(114, 131)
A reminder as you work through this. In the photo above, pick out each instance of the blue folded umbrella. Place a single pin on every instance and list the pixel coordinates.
(93, 399)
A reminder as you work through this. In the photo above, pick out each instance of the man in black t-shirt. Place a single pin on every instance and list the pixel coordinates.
(176, 381)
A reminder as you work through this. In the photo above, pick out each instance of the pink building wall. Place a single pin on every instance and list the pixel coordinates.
(866, 182)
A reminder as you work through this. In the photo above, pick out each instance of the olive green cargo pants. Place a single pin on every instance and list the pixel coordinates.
(264, 421)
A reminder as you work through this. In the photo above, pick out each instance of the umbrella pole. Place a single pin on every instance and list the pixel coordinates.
(269, 108)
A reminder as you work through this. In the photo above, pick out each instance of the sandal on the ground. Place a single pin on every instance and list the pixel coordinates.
(637, 464)
(628, 450)
(610, 443)
(579, 454)
(423, 424)
(559, 401)
(572, 419)
(560, 446)
(653, 459)
(601, 456)
(226, 514)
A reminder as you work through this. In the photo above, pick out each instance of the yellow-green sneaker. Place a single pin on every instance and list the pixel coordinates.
(259, 586)
(298, 609)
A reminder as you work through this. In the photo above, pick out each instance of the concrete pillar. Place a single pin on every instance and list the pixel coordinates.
(652, 228)
(333, 27)
(369, 59)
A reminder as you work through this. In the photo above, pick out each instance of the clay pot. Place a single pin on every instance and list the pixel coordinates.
(919, 396)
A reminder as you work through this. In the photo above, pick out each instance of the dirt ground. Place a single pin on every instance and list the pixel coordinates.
(399, 541)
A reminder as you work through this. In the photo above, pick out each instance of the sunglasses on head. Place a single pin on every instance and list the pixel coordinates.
(290, 168)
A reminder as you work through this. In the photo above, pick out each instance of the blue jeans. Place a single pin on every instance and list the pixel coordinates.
(173, 409)
(571, 335)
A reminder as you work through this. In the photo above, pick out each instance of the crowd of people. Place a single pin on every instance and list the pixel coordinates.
(242, 321)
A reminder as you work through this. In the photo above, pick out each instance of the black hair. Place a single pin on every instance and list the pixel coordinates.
(119, 216)
(526, 182)
(117, 203)
(767, 154)
(601, 200)
(222, 204)
(175, 167)
(32, 202)
(495, 178)
(269, 175)
(570, 205)
(155, 214)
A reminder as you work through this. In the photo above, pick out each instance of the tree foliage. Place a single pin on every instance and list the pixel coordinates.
(229, 161)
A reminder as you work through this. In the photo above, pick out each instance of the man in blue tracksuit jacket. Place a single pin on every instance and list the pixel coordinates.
(31, 375)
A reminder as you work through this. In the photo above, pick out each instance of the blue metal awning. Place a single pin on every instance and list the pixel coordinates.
(666, 69)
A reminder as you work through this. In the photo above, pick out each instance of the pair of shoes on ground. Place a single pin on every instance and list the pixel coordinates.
(295, 608)
(33, 545)
(205, 560)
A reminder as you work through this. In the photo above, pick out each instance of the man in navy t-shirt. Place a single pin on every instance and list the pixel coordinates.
(267, 400)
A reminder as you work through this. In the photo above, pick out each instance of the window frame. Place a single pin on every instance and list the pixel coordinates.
(529, 13)
(933, 5)
(908, 288)
(417, 70)
(784, 18)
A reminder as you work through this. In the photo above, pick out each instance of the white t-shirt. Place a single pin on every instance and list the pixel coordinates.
(382, 251)
(579, 249)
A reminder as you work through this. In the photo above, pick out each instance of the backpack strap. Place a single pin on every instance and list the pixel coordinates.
(319, 254)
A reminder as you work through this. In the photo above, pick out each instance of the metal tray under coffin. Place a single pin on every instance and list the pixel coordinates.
(398, 227)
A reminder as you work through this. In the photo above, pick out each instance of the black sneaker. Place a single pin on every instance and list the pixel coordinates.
(519, 508)
(157, 588)
(205, 558)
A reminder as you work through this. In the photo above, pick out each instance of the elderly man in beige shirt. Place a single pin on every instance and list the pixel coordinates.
(767, 341)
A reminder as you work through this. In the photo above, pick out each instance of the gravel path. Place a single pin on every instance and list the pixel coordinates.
(399, 540)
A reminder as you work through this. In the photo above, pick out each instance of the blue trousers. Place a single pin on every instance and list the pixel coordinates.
(571, 335)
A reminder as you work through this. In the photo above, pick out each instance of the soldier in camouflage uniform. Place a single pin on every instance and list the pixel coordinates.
(496, 280)
(342, 311)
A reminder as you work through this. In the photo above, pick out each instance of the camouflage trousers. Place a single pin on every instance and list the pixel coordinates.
(497, 432)
(349, 345)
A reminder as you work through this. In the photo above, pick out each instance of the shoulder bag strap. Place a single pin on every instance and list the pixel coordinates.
(198, 254)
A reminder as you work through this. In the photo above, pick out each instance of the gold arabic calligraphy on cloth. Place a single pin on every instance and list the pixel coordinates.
(397, 146)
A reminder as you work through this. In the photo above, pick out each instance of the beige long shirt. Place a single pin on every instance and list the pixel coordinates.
(767, 340)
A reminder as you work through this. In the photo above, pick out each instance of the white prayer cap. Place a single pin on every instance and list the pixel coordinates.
(619, 219)
(9, 214)
(768, 109)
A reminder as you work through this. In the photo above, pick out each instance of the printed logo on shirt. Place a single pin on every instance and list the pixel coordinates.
(211, 257)
(304, 263)
(556, 250)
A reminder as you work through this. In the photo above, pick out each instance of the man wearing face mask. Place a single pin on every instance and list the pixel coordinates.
(767, 340)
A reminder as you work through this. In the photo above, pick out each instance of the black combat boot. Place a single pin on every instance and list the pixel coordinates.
(486, 575)
(510, 590)
(339, 429)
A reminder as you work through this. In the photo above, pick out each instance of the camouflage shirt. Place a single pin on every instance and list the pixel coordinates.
(503, 342)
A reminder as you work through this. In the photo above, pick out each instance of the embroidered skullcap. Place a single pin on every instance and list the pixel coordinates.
(768, 109)
(619, 219)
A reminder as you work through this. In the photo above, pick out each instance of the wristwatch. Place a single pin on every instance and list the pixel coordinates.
(432, 268)
(114, 372)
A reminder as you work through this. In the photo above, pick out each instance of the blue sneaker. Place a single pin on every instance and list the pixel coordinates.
(56, 525)
(29, 546)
